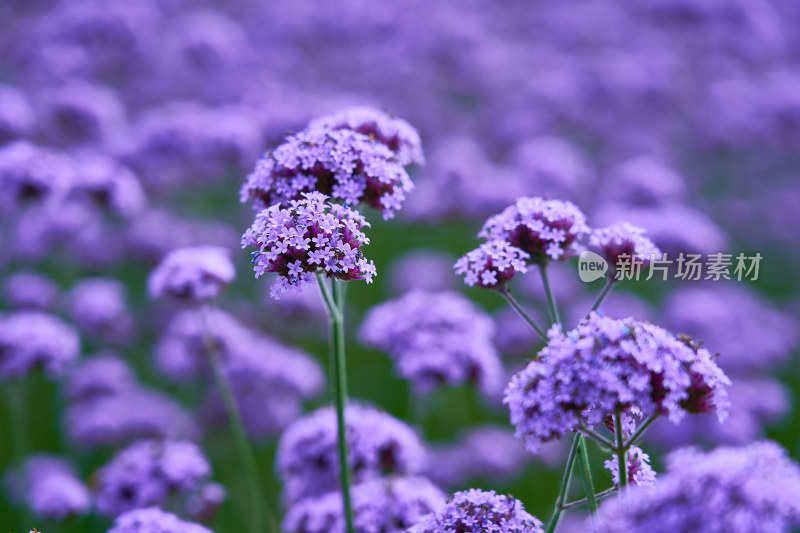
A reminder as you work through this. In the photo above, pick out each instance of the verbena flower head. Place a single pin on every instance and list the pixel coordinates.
(32, 174)
(545, 229)
(196, 273)
(395, 133)
(639, 470)
(485, 452)
(153, 520)
(102, 375)
(16, 114)
(49, 487)
(311, 235)
(30, 290)
(346, 165)
(626, 241)
(492, 264)
(79, 112)
(436, 339)
(98, 307)
(754, 488)
(106, 183)
(382, 505)
(149, 473)
(307, 459)
(606, 365)
(31, 340)
(476, 511)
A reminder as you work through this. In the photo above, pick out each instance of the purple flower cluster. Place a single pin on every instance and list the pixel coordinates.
(149, 473)
(436, 339)
(341, 163)
(755, 488)
(492, 265)
(486, 452)
(544, 229)
(196, 274)
(379, 444)
(30, 290)
(308, 236)
(639, 470)
(623, 240)
(49, 486)
(382, 505)
(32, 174)
(153, 520)
(476, 510)
(31, 340)
(395, 133)
(108, 407)
(98, 307)
(606, 366)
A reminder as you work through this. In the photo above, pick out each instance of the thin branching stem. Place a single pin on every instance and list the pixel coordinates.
(565, 482)
(602, 296)
(516, 306)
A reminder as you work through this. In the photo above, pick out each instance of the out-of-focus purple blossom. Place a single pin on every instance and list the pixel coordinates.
(106, 374)
(545, 229)
(153, 520)
(395, 133)
(183, 142)
(436, 339)
(107, 184)
(382, 505)
(749, 333)
(310, 235)
(552, 167)
(148, 473)
(460, 180)
(487, 452)
(638, 468)
(125, 416)
(157, 232)
(514, 337)
(30, 340)
(425, 270)
(624, 240)
(674, 228)
(476, 510)
(307, 459)
(754, 403)
(49, 486)
(98, 308)
(16, 114)
(196, 274)
(492, 264)
(644, 181)
(30, 173)
(343, 164)
(80, 113)
(269, 383)
(203, 504)
(182, 353)
(30, 290)
(644, 366)
(755, 488)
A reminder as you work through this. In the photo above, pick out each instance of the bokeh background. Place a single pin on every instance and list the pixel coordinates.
(682, 117)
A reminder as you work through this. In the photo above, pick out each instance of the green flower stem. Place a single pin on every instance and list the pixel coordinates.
(522, 313)
(565, 482)
(578, 503)
(586, 478)
(260, 507)
(598, 437)
(19, 427)
(621, 452)
(551, 301)
(640, 431)
(602, 296)
(335, 305)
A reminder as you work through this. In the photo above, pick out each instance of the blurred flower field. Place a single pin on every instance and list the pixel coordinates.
(322, 267)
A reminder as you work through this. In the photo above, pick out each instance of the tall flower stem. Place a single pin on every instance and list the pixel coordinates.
(260, 507)
(338, 377)
(522, 313)
(565, 482)
(586, 478)
(602, 296)
(18, 417)
(551, 301)
(640, 430)
(621, 452)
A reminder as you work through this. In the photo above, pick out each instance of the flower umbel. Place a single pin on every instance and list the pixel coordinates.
(492, 264)
(308, 236)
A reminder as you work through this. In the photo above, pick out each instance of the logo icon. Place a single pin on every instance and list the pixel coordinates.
(591, 266)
